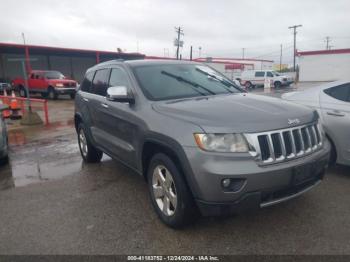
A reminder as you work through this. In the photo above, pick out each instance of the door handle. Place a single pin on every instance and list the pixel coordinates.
(104, 105)
(85, 99)
(335, 113)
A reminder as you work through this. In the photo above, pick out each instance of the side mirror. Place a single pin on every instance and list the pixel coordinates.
(120, 94)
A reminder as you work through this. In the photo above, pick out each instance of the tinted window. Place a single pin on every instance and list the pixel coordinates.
(161, 82)
(100, 82)
(269, 74)
(86, 84)
(118, 78)
(341, 92)
(259, 74)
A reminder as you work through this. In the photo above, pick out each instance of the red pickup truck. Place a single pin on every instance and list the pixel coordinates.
(48, 83)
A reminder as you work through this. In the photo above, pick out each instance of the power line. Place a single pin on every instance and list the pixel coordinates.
(327, 40)
(294, 27)
(178, 43)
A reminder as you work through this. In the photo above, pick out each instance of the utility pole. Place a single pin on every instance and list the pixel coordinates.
(327, 40)
(199, 52)
(281, 59)
(178, 43)
(191, 54)
(243, 49)
(294, 27)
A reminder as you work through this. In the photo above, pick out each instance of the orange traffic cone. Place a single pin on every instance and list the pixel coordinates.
(14, 107)
(6, 113)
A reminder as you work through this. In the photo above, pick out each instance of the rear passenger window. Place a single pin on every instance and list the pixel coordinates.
(86, 84)
(259, 74)
(341, 92)
(118, 78)
(100, 82)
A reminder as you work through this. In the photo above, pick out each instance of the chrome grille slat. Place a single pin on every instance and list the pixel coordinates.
(285, 144)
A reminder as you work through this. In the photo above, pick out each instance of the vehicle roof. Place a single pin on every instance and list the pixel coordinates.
(143, 62)
(42, 71)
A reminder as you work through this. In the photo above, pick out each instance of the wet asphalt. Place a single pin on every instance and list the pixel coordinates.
(53, 203)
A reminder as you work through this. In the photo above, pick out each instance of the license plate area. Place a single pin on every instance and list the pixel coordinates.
(304, 173)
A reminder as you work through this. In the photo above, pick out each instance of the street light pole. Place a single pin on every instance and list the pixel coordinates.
(294, 27)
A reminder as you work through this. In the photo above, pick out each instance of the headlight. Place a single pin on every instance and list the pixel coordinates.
(222, 142)
(59, 85)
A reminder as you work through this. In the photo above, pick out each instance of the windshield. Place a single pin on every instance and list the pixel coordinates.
(275, 73)
(173, 81)
(54, 75)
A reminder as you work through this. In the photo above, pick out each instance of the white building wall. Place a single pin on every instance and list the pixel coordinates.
(324, 67)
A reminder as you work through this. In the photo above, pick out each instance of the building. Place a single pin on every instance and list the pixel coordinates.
(233, 67)
(71, 62)
(324, 65)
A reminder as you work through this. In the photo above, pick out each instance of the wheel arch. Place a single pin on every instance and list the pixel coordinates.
(171, 148)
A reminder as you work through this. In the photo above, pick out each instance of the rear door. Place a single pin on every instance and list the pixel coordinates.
(259, 78)
(97, 106)
(335, 107)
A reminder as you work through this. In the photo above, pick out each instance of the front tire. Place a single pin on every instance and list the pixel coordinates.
(52, 93)
(277, 84)
(89, 153)
(169, 193)
(22, 91)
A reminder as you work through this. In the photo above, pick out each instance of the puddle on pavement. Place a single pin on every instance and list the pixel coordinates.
(41, 161)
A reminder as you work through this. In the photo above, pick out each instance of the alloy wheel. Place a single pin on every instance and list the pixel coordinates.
(83, 143)
(164, 190)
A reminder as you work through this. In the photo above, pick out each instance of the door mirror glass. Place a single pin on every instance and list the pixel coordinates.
(119, 94)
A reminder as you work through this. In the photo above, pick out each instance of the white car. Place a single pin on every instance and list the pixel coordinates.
(332, 101)
(252, 78)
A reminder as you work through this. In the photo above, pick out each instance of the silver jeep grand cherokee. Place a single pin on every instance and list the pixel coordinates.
(202, 144)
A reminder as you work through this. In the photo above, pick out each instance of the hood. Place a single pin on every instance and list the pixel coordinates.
(237, 113)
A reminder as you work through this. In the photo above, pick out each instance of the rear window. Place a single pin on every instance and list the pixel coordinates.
(341, 92)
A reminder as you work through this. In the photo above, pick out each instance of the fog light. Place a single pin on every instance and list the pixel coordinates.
(226, 182)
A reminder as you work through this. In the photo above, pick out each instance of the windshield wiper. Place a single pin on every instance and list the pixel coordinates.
(181, 79)
(225, 83)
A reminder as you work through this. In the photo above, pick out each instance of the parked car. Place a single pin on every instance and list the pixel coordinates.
(3, 137)
(4, 85)
(200, 141)
(48, 83)
(332, 101)
(252, 78)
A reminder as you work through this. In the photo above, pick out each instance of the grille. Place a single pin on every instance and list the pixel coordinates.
(282, 145)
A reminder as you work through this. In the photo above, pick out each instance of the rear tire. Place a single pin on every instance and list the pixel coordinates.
(52, 93)
(170, 195)
(89, 153)
(44, 95)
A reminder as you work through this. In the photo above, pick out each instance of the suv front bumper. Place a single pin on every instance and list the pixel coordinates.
(263, 185)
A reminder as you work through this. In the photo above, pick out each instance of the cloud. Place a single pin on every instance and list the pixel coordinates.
(221, 28)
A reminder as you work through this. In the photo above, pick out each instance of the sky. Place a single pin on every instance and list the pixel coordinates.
(221, 28)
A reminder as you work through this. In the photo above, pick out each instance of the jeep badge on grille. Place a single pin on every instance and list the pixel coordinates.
(293, 121)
